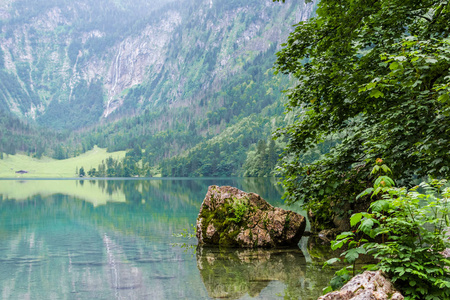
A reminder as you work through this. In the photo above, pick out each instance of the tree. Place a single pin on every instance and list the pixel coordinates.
(92, 172)
(376, 73)
(81, 172)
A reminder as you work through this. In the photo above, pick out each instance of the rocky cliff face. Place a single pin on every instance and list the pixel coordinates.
(169, 53)
(133, 57)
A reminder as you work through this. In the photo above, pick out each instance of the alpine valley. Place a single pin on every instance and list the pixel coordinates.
(180, 88)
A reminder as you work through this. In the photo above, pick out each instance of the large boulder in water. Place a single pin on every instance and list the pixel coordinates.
(232, 218)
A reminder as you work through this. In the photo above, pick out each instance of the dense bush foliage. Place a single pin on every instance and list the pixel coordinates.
(377, 74)
(409, 228)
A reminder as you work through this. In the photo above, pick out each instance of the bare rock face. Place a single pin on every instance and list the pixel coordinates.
(368, 285)
(232, 218)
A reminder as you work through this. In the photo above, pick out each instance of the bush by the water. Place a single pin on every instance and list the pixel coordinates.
(406, 231)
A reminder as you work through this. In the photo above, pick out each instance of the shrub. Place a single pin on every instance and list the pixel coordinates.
(407, 231)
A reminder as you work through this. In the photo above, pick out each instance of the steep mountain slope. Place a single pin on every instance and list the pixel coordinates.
(57, 54)
(70, 64)
(188, 85)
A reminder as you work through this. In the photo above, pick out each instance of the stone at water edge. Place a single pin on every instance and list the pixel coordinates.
(260, 225)
(368, 285)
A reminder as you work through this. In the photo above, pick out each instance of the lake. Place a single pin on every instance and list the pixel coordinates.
(117, 239)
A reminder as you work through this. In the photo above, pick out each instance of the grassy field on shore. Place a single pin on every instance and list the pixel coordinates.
(51, 168)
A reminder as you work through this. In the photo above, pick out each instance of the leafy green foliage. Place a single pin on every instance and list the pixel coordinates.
(415, 225)
(408, 232)
(377, 73)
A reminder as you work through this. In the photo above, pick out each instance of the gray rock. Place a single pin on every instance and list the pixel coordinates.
(232, 218)
(446, 253)
(366, 286)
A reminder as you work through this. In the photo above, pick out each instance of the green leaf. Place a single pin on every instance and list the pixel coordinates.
(366, 226)
(344, 235)
(444, 98)
(394, 66)
(331, 261)
(352, 254)
(384, 181)
(386, 169)
(338, 244)
(355, 219)
(327, 290)
(364, 193)
(376, 93)
(375, 169)
(380, 205)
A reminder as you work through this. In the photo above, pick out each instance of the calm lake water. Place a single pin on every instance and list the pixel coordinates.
(114, 239)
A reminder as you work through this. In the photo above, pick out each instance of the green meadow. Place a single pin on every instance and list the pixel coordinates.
(51, 168)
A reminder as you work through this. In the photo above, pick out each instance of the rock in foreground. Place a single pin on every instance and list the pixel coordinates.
(232, 218)
(368, 285)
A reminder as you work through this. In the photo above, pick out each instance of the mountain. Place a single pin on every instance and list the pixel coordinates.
(162, 74)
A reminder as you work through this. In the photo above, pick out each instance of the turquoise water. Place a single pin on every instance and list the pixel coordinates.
(114, 239)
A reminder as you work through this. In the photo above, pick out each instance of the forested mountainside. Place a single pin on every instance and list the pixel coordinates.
(18, 136)
(163, 76)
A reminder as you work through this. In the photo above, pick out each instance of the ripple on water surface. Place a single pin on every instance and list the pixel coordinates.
(63, 245)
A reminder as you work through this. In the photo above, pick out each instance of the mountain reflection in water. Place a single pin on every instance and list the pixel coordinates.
(111, 239)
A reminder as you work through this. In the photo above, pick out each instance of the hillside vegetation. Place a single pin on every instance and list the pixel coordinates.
(163, 80)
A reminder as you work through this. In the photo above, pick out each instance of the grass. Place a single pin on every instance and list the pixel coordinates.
(51, 168)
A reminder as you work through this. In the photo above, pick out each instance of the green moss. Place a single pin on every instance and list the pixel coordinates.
(239, 208)
(265, 221)
(227, 220)
(287, 220)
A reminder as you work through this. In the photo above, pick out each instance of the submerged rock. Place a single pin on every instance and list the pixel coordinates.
(230, 217)
(368, 285)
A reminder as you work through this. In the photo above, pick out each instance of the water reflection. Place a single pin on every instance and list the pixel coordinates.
(100, 192)
(233, 273)
(112, 239)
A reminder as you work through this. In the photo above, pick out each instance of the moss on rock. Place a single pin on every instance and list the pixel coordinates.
(232, 218)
